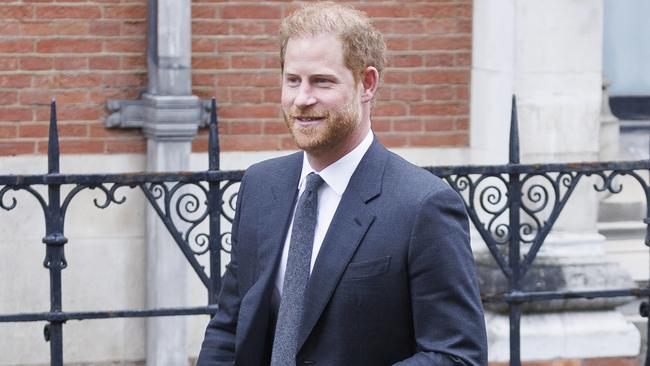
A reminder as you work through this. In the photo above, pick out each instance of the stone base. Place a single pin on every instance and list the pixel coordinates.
(609, 361)
(567, 335)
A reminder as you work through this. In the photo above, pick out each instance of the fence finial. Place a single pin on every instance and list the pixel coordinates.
(213, 137)
(53, 143)
(514, 133)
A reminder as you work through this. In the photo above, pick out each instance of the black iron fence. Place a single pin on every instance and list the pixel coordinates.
(513, 207)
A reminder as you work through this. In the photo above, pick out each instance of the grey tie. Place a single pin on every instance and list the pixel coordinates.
(296, 274)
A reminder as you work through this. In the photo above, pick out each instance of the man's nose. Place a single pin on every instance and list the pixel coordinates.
(305, 97)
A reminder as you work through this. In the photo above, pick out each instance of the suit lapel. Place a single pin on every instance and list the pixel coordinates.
(273, 220)
(351, 221)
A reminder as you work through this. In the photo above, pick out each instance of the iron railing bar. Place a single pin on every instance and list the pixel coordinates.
(521, 297)
(106, 314)
(124, 178)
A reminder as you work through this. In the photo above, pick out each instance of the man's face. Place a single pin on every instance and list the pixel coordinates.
(320, 98)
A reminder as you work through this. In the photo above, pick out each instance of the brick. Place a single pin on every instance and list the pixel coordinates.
(405, 61)
(440, 77)
(73, 129)
(440, 60)
(439, 109)
(71, 63)
(15, 81)
(78, 146)
(437, 125)
(203, 45)
(275, 128)
(210, 28)
(392, 140)
(396, 77)
(288, 143)
(68, 46)
(250, 12)
(199, 80)
(381, 125)
(248, 79)
(204, 12)
(243, 45)
(397, 44)
(392, 109)
(134, 62)
(29, 63)
(237, 128)
(16, 148)
(126, 45)
(247, 62)
(133, 28)
(463, 59)
(458, 139)
(126, 146)
(248, 142)
(8, 63)
(408, 27)
(125, 12)
(16, 12)
(79, 113)
(407, 94)
(9, 29)
(15, 114)
(30, 97)
(246, 95)
(8, 131)
(249, 111)
(72, 29)
(385, 11)
(439, 93)
(124, 80)
(104, 62)
(68, 12)
(16, 46)
(462, 92)
(33, 130)
(442, 26)
(8, 97)
(442, 43)
(76, 80)
(242, 27)
(103, 28)
(37, 29)
(272, 95)
(462, 124)
(210, 62)
(407, 125)
(436, 11)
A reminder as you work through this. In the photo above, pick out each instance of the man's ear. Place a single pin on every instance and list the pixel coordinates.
(370, 82)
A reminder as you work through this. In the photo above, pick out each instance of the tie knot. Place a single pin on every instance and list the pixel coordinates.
(313, 182)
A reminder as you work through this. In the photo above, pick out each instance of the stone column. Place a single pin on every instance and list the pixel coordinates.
(169, 115)
(553, 51)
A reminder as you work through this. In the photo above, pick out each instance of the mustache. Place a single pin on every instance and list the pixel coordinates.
(306, 113)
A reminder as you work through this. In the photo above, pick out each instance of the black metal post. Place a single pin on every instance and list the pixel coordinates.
(514, 195)
(214, 203)
(54, 241)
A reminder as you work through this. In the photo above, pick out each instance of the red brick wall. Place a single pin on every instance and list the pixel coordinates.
(82, 53)
(85, 52)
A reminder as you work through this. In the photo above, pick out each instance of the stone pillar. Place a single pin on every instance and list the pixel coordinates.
(553, 52)
(169, 115)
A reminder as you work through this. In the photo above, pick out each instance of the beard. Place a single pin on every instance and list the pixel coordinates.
(334, 128)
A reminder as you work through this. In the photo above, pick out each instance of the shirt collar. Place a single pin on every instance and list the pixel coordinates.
(337, 175)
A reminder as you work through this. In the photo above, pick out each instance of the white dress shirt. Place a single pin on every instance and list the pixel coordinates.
(336, 177)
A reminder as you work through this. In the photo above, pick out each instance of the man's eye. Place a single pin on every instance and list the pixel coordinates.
(292, 81)
(322, 81)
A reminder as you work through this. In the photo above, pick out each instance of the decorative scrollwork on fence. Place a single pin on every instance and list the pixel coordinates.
(13, 202)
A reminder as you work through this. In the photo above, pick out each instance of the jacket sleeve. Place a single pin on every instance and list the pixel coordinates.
(218, 348)
(448, 320)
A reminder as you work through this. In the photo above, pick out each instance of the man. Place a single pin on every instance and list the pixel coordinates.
(344, 254)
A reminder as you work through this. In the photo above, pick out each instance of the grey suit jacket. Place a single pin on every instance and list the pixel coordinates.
(393, 283)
